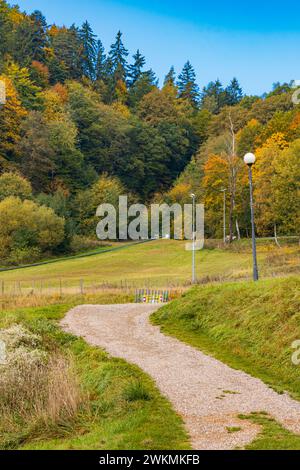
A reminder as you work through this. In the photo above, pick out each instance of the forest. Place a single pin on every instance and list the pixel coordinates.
(82, 125)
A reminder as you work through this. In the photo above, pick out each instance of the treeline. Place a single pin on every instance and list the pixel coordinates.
(74, 111)
(82, 125)
(269, 127)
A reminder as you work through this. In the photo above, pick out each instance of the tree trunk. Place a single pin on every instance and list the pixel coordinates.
(231, 218)
(275, 236)
(237, 229)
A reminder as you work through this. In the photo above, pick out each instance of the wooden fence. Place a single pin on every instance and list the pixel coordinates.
(146, 290)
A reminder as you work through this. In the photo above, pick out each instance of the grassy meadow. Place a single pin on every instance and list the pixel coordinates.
(159, 263)
(113, 405)
(249, 326)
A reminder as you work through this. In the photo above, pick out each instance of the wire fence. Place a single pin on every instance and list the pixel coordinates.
(26, 293)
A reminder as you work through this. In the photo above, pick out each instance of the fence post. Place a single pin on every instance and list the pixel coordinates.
(81, 286)
(60, 288)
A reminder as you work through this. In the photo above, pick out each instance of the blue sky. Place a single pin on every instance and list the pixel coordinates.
(257, 42)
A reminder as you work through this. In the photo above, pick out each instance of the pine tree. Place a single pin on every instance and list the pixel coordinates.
(89, 50)
(23, 42)
(39, 36)
(117, 56)
(234, 92)
(65, 63)
(100, 62)
(170, 78)
(135, 69)
(213, 97)
(187, 87)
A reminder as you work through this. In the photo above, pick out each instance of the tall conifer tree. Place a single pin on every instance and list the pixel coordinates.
(187, 87)
(89, 50)
(135, 69)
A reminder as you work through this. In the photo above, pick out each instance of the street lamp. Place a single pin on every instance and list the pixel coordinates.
(224, 214)
(193, 196)
(249, 159)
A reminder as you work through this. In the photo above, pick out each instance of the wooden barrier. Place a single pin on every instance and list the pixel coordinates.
(151, 296)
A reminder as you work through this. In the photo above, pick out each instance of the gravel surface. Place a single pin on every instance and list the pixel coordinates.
(205, 392)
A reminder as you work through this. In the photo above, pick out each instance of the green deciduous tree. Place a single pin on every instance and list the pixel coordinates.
(26, 227)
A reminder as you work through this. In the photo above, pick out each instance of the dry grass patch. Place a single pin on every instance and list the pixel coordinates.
(36, 388)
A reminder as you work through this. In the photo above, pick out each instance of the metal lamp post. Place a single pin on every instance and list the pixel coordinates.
(249, 159)
(193, 196)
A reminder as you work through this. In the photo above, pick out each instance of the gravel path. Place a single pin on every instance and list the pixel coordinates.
(205, 392)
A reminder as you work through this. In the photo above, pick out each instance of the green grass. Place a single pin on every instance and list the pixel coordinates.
(248, 326)
(272, 435)
(160, 263)
(233, 429)
(125, 409)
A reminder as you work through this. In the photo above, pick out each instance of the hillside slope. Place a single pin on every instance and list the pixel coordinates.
(250, 327)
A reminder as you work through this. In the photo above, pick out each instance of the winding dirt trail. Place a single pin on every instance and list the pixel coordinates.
(205, 392)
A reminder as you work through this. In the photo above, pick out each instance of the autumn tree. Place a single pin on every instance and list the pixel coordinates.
(27, 230)
(11, 116)
(263, 176)
(13, 184)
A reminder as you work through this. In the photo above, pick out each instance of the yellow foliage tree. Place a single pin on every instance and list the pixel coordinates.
(263, 178)
(11, 115)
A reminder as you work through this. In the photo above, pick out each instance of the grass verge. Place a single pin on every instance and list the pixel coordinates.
(122, 408)
(272, 435)
(248, 326)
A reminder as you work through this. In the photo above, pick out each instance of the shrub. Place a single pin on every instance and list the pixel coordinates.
(26, 225)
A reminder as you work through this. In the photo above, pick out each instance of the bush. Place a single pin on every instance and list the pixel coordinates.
(79, 244)
(26, 227)
(24, 255)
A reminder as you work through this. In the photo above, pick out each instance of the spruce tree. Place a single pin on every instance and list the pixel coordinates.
(234, 92)
(89, 50)
(118, 59)
(39, 36)
(213, 97)
(170, 78)
(66, 61)
(100, 62)
(187, 87)
(135, 69)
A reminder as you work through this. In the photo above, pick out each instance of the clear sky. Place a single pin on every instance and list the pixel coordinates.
(257, 41)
